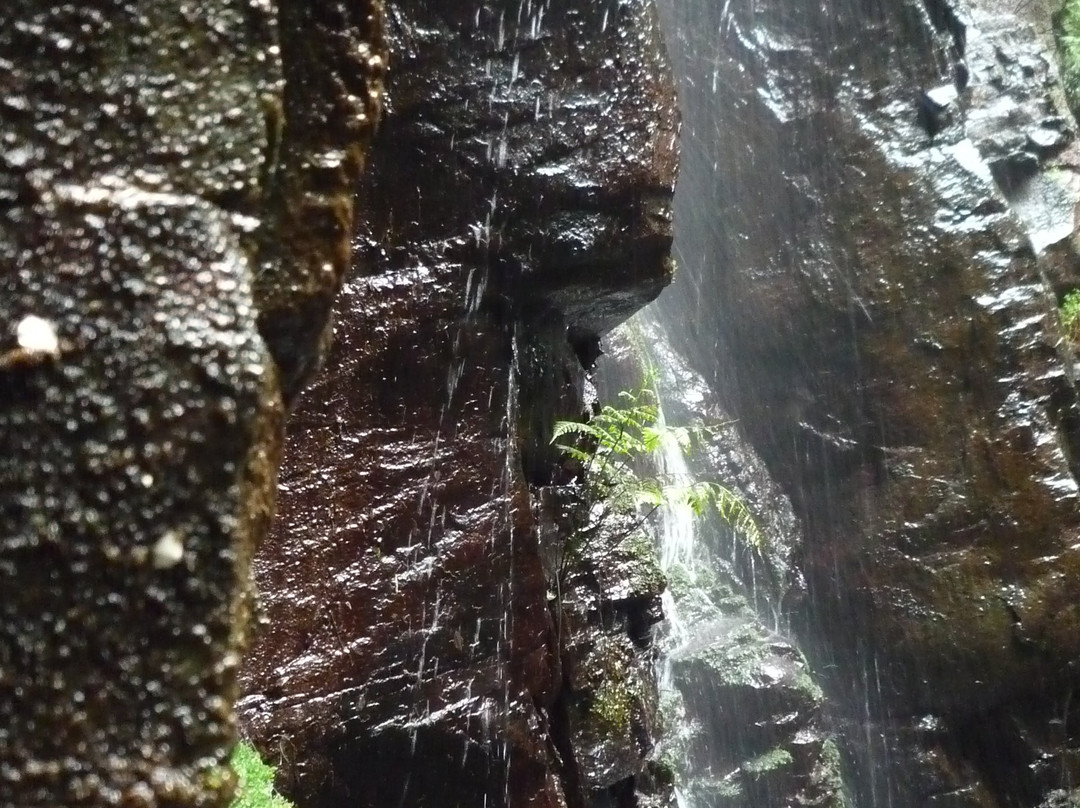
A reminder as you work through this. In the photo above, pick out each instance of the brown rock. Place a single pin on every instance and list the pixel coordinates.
(519, 194)
(141, 414)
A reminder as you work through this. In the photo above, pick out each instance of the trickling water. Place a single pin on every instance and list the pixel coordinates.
(677, 549)
(726, 663)
(677, 518)
(679, 555)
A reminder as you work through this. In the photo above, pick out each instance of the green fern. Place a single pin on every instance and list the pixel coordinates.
(1070, 315)
(1067, 28)
(612, 447)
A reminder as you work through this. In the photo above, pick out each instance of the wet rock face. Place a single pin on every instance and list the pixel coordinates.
(131, 459)
(270, 128)
(607, 590)
(333, 61)
(518, 197)
(877, 255)
(758, 734)
(140, 425)
(544, 139)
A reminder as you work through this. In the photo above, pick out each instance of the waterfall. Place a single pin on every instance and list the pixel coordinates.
(677, 518)
(676, 548)
(742, 709)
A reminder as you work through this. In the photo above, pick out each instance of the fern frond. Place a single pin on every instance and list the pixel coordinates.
(648, 493)
(575, 453)
(564, 428)
(735, 512)
(616, 438)
(652, 437)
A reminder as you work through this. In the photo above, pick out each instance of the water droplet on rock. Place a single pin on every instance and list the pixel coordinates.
(168, 551)
(37, 335)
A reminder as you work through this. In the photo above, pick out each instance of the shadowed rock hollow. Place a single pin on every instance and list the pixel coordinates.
(518, 205)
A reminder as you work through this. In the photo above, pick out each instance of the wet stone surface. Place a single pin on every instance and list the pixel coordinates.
(138, 460)
(141, 182)
(517, 204)
(607, 589)
(872, 294)
(758, 734)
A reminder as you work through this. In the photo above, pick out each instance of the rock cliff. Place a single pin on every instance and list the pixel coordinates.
(877, 222)
(875, 248)
(517, 206)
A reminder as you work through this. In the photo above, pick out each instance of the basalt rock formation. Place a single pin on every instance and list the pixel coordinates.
(875, 247)
(172, 230)
(517, 206)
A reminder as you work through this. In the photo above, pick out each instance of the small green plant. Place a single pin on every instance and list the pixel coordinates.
(1070, 316)
(613, 705)
(256, 786)
(613, 447)
(775, 758)
(1067, 28)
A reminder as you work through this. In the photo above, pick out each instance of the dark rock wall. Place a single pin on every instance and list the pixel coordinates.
(153, 154)
(517, 206)
(874, 246)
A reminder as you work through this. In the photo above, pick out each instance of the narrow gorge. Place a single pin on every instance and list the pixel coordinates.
(294, 295)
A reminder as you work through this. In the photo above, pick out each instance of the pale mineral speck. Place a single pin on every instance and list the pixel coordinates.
(37, 335)
(167, 551)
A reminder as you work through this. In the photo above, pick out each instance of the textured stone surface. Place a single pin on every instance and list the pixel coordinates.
(317, 130)
(149, 162)
(138, 468)
(875, 245)
(757, 735)
(608, 591)
(517, 204)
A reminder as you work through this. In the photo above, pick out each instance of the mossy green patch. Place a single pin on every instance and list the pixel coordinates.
(613, 705)
(256, 787)
(702, 590)
(807, 685)
(737, 660)
(646, 575)
(1069, 312)
(772, 760)
(826, 775)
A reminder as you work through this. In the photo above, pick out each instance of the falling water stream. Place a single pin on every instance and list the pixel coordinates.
(677, 549)
(737, 695)
(738, 699)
